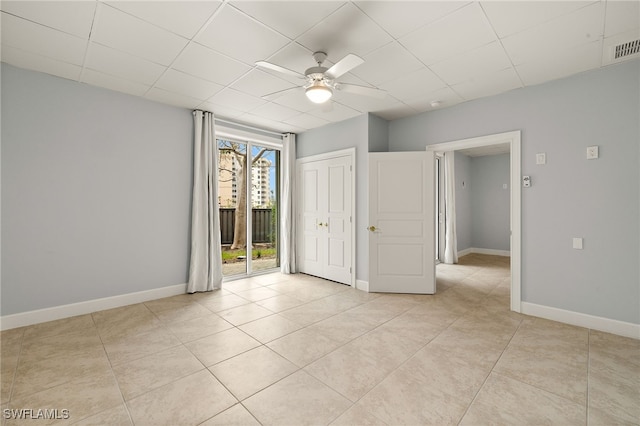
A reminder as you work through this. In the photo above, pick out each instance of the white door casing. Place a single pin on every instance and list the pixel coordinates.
(514, 140)
(402, 222)
(325, 215)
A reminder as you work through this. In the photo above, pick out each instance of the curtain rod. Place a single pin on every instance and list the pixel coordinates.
(221, 120)
(249, 127)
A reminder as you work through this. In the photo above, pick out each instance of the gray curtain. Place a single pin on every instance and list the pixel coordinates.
(450, 238)
(287, 205)
(205, 270)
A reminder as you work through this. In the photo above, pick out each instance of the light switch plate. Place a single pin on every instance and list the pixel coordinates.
(541, 158)
(592, 152)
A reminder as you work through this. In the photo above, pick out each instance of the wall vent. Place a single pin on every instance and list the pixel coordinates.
(626, 49)
(621, 47)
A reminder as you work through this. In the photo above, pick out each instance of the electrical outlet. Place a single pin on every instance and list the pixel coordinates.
(577, 243)
(592, 152)
(526, 181)
(541, 158)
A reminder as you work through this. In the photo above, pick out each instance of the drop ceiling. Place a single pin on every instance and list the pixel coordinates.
(202, 54)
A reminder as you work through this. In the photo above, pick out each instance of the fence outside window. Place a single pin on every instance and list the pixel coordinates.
(262, 228)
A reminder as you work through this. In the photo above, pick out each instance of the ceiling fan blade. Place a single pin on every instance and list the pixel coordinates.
(361, 90)
(345, 65)
(278, 68)
(276, 95)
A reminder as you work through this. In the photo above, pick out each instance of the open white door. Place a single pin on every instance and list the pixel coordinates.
(401, 222)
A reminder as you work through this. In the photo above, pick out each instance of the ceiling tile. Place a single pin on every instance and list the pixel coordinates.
(335, 112)
(113, 83)
(203, 62)
(510, 17)
(274, 112)
(580, 27)
(399, 18)
(567, 62)
(129, 34)
(221, 111)
(288, 17)
(306, 121)
(483, 60)
(40, 40)
(488, 84)
(293, 57)
(621, 16)
(184, 18)
(259, 83)
(445, 96)
(348, 30)
(72, 17)
(179, 82)
(237, 100)
(123, 65)
(398, 110)
(387, 63)
(364, 103)
(263, 123)
(421, 82)
(171, 98)
(22, 59)
(458, 32)
(253, 43)
(295, 99)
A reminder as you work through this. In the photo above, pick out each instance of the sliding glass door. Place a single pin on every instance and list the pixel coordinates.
(248, 189)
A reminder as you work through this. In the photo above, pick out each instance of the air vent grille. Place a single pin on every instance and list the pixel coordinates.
(626, 49)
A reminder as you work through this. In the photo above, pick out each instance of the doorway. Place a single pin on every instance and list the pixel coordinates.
(513, 139)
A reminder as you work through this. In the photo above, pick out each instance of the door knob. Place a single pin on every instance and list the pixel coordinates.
(372, 228)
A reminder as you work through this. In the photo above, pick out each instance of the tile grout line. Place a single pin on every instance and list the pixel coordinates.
(490, 372)
(113, 374)
(15, 373)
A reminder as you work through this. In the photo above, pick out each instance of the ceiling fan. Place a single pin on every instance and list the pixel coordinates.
(321, 81)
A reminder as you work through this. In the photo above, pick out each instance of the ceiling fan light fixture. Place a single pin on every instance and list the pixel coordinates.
(318, 93)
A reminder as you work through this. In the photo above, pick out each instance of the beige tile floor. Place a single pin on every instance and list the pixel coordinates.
(295, 350)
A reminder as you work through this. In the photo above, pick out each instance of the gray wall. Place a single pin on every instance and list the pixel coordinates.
(490, 210)
(570, 196)
(378, 134)
(462, 168)
(334, 137)
(96, 189)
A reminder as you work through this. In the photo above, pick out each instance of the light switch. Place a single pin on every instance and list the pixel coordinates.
(592, 152)
(577, 243)
(541, 158)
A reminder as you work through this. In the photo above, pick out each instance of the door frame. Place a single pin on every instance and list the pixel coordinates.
(514, 140)
(351, 153)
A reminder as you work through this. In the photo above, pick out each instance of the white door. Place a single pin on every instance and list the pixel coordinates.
(325, 238)
(338, 220)
(311, 245)
(402, 222)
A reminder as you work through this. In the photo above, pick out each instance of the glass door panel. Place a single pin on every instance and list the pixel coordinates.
(232, 198)
(264, 211)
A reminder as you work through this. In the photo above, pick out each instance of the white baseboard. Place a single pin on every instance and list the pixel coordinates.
(607, 325)
(465, 252)
(484, 251)
(362, 285)
(65, 311)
